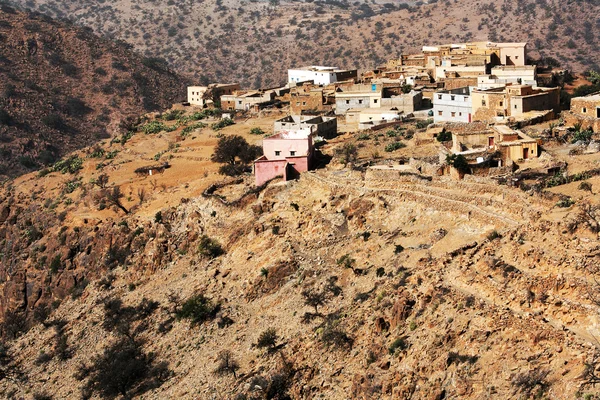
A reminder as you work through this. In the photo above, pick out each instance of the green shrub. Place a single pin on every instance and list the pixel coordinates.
(346, 261)
(198, 309)
(364, 136)
(493, 235)
(222, 124)
(267, 339)
(153, 127)
(70, 165)
(444, 136)
(565, 203)
(394, 146)
(210, 247)
(582, 135)
(398, 344)
(585, 186)
(257, 131)
(424, 124)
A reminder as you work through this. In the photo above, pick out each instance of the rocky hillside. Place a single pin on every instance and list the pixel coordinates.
(254, 42)
(349, 283)
(63, 88)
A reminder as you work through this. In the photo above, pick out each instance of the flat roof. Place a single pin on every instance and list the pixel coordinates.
(591, 97)
(292, 134)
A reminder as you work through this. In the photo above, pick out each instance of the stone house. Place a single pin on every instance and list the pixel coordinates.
(309, 97)
(317, 125)
(285, 154)
(452, 105)
(513, 101)
(477, 141)
(584, 111)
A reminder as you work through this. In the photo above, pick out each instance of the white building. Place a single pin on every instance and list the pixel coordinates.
(452, 105)
(195, 95)
(320, 75)
(508, 74)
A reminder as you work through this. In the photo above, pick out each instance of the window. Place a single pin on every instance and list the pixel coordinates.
(500, 104)
(460, 114)
(515, 106)
(483, 102)
(292, 153)
(303, 103)
(452, 97)
(453, 114)
(277, 152)
(239, 102)
(584, 110)
(439, 113)
(375, 101)
(297, 103)
(439, 96)
(360, 102)
(347, 101)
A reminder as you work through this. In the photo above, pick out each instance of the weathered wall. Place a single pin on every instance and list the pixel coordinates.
(266, 170)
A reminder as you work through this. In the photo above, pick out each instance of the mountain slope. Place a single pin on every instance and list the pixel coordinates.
(378, 285)
(255, 42)
(62, 88)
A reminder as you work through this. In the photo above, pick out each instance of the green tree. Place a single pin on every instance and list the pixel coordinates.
(231, 149)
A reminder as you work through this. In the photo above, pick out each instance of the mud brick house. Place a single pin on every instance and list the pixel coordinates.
(317, 125)
(285, 154)
(309, 97)
(252, 99)
(477, 141)
(513, 101)
(585, 111)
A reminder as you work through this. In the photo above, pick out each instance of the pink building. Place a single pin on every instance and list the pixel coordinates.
(286, 154)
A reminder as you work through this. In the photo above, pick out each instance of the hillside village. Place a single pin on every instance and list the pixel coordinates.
(426, 229)
(478, 100)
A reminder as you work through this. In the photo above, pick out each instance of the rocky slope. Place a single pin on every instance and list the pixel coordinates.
(63, 88)
(227, 40)
(377, 286)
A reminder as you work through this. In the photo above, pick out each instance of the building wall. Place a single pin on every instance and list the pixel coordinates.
(285, 147)
(488, 106)
(515, 152)
(448, 110)
(265, 170)
(306, 101)
(378, 117)
(321, 126)
(585, 107)
(318, 77)
(407, 103)
(455, 83)
(512, 55)
(480, 139)
(342, 104)
(195, 95)
(464, 71)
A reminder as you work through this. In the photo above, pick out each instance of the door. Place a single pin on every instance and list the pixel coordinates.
(597, 112)
(491, 141)
(525, 153)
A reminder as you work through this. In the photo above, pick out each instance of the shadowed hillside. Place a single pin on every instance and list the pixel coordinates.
(255, 42)
(63, 88)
